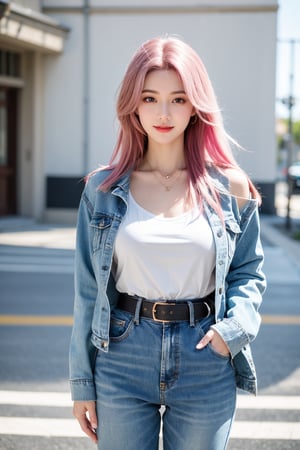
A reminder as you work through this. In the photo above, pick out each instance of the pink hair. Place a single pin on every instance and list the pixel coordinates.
(206, 140)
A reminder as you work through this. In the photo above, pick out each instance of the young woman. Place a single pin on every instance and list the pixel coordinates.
(168, 267)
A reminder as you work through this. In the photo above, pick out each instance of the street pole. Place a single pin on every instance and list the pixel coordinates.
(290, 103)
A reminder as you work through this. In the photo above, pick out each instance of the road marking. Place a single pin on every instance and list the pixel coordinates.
(280, 320)
(273, 402)
(28, 426)
(36, 320)
(11, 319)
(63, 399)
(34, 398)
(49, 427)
(266, 430)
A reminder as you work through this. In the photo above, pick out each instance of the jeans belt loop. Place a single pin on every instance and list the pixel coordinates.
(136, 319)
(208, 309)
(192, 313)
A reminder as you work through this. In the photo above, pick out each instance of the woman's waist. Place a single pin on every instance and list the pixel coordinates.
(169, 310)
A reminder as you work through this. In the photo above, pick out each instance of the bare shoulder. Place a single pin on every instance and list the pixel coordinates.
(238, 184)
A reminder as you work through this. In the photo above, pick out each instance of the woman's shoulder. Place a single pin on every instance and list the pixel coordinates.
(97, 176)
(93, 180)
(238, 184)
(233, 181)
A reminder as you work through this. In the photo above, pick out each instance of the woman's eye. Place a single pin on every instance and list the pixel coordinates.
(148, 99)
(179, 100)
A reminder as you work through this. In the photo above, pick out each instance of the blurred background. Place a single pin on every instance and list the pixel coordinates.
(61, 63)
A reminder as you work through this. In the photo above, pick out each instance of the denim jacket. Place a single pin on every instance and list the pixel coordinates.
(240, 281)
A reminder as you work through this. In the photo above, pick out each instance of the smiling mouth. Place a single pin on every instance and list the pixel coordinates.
(163, 129)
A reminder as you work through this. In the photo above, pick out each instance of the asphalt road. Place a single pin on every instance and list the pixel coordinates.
(36, 299)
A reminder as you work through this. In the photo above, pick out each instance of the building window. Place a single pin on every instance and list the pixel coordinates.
(9, 64)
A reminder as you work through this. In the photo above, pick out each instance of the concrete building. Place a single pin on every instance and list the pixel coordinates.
(67, 60)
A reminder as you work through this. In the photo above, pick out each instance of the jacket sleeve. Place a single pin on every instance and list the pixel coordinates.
(245, 285)
(82, 353)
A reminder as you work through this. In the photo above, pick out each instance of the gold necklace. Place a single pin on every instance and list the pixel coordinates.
(167, 178)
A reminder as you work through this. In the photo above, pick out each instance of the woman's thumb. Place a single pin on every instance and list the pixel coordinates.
(92, 414)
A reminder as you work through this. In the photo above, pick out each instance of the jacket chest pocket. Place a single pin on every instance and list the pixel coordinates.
(101, 231)
(232, 232)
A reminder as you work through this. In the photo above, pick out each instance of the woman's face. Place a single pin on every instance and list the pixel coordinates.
(164, 109)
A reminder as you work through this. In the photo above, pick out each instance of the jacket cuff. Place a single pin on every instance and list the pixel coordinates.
(83, 390)
(232, 333)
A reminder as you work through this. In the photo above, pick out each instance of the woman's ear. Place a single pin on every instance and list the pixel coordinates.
(194, 112)
(193, 119)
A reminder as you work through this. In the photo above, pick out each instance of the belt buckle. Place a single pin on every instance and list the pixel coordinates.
(154, 311)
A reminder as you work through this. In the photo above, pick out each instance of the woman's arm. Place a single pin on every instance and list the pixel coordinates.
(245, 280)
(82, 353)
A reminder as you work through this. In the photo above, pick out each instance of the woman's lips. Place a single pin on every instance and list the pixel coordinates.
(163, 129)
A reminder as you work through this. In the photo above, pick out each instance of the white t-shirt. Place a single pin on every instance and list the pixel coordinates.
(164, 258)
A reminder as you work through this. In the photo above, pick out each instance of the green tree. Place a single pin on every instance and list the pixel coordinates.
(296, 132)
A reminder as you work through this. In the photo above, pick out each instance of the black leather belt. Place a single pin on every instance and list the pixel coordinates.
(168, 311)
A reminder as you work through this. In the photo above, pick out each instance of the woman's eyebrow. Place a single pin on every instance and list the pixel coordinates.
(156, 92)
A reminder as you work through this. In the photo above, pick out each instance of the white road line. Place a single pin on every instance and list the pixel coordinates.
(28, 426)
(266, 430)
(63, 399)
(279, 402)
(57, 399)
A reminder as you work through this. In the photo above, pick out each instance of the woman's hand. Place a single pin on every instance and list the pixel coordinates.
(215, 340)
(85, 413)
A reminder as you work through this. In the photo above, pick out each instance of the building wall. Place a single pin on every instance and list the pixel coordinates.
(26, 35)
(31, 4)
(237, 43)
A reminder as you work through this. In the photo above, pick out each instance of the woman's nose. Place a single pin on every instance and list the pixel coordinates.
(164, 113)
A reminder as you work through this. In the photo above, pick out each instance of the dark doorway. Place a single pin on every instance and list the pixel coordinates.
(8, 151)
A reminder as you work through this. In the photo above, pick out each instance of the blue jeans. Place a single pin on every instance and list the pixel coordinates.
(150, 364)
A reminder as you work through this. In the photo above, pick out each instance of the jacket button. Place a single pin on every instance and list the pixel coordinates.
(219, 233)
(220, 291)
(104, 344)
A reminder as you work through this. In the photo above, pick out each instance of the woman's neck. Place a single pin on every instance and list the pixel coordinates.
(165, 161)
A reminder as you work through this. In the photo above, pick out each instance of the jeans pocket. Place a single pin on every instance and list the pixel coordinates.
(204, 325)
(121, 323)
(217, 354)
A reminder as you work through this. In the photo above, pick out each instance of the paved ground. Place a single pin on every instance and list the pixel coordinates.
(35, 406)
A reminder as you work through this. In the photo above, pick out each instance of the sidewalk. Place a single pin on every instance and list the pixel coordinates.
(24, 232)
(274, 234)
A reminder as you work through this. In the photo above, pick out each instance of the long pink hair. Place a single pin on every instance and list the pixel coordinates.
(206, 141)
